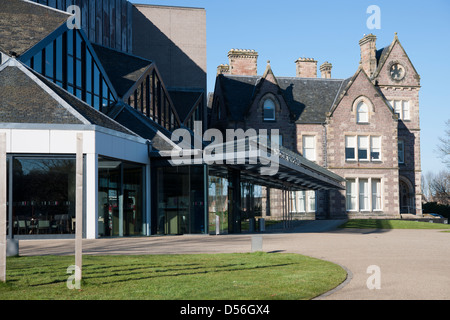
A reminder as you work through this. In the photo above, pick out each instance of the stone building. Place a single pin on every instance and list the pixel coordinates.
(364, 128)
(59, 86)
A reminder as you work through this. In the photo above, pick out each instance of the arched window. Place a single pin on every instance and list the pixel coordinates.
(362, 112)
(269, 109)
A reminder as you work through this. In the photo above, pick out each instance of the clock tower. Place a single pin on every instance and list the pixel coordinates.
(399, 82)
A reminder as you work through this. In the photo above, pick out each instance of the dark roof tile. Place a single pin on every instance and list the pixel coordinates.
(24, 24)
(122, 69)
(309, 99)
(22, 100)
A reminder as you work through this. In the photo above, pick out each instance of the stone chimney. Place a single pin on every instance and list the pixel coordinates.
(223, 69)
(306, 68)
(368, 54)
(243, 62)
(325, 70)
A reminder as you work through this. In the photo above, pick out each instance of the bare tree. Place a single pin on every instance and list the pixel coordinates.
(444, 146)
(439, 187)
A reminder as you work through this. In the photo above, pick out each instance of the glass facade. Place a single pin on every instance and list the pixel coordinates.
(42, 193)
(68, 62)
(120, 198)
(180, 200)
(218, 203)
(151, 99)
(251, 204)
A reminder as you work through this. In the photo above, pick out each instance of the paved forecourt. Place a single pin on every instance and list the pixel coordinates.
(382, 264)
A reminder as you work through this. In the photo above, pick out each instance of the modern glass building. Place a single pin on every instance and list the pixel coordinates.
(55, 84)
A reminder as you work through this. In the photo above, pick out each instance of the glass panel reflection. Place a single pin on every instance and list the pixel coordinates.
(180, 200)
(43, 195)
(120, 198)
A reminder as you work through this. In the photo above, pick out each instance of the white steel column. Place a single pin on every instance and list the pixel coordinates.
(79, 208)
(91, 195)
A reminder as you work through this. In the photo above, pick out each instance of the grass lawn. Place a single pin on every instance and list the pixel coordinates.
(391, 224)
(252, 276)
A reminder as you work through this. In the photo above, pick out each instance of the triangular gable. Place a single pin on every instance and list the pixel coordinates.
(350, 83)
(237, 93)
(269, 76)
(386, 54)
(123, 69)
(59, 111)
(48, 103)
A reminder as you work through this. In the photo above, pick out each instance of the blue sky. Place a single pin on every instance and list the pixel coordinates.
(284, 30)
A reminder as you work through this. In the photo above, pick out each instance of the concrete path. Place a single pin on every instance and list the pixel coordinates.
(413, 264)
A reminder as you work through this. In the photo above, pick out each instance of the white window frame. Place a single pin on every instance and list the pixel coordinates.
(267, 107)
(356, 142)
(362, 112)
(309, 151)
(376, 194)
(353, 145)
(364, 194)
(363, 145)
(311, 196)
(402, 108)
(304, 201)
(367, 199)
(375, 147)
(351, 196)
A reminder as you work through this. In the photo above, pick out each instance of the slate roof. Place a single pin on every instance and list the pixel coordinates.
(184, 101)
(24, 100)
(309, 99)
(123, 69)
(24, 24)
(141, 125)
(238, 93)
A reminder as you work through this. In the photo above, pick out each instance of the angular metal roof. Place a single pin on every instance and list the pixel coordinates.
(28, 97)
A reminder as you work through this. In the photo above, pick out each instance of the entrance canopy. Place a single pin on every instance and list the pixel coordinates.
(259, 162)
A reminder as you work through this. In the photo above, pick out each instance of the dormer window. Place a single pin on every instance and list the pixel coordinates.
(362, 112)
(269, 110)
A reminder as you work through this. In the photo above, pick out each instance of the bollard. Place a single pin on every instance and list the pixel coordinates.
(257, 243)
(262, 225)
(217, 225)
(251, 224)
(12, 248)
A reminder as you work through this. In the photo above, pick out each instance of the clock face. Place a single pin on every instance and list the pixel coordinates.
(397, 72)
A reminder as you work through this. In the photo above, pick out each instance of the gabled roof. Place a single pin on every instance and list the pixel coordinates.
(28, 97)
(309, 99)
(184, 101)
(143, 126)
(349, 82)
(383, 54)
(237, 93)
(23, 24)
(123, 69)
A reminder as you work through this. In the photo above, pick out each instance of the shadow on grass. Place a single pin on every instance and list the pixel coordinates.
(160, 272)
